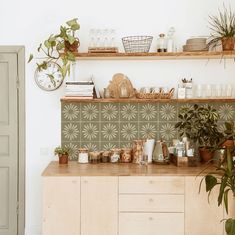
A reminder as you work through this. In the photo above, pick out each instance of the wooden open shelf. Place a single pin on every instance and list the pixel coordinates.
(157, 56)
(102, 100)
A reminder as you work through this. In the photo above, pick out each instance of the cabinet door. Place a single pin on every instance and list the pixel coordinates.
(201, 217)
(99, 205)
(61, 206)
(151, 224)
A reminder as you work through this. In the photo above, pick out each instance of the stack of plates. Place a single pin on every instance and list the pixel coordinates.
(195, 44)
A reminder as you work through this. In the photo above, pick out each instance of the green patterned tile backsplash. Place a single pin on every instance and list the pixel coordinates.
(102, 126)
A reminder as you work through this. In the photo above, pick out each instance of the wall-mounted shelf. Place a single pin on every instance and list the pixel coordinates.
(77, 99)
(156, 56)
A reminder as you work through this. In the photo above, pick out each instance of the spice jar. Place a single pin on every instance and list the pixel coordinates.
(94, 157)
(105, 156)
(161, 43)
(126, 155)
(83, 155)
(115, 155)
(138, 147)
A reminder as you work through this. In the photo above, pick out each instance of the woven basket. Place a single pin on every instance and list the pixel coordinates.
(157, 95)
(137, 44)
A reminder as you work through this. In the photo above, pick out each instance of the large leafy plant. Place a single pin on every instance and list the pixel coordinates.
(199, 124)
(59, 48)
(223, 177)
(222, 26)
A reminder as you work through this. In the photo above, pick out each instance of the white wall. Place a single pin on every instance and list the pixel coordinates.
(28, 22)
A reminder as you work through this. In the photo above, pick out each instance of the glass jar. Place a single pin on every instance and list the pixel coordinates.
(115, 155)
(126, 155)
(161, 43)
(138, 150)
(105, 156)
(83, 155)
(94, 157)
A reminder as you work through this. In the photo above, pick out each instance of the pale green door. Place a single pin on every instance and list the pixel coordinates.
(8, 144)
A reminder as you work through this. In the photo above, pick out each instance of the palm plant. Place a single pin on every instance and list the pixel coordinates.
(223, 29)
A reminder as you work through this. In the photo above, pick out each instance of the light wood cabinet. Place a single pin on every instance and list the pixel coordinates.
(61, 206)
(201, 217)
(99, 205)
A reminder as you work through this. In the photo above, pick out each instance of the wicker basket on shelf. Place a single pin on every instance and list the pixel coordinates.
(168, 95)
(155, 95)
(137, 44)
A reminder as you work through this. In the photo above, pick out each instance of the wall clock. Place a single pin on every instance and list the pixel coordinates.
(49, 79)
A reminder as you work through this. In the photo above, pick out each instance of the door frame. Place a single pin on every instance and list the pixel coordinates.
(20, 52)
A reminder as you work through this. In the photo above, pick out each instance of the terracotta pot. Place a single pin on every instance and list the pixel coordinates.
(71, 47)
(228, 143)
(206, 154)
(228, 43)
(63, 159)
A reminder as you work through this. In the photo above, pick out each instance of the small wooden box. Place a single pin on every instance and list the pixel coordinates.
(179, 161)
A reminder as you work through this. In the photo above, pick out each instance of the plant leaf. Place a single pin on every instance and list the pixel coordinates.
(30, 58)
(230, 226)
(211, 181)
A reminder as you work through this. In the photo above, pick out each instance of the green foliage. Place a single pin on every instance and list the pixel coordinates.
(199, 124)
(62, 150)
(224, 178)
(222, 26)
(57, 48)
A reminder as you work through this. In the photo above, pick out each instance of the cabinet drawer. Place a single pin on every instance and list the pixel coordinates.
(151, 223)
(151, 203)
(157, 184)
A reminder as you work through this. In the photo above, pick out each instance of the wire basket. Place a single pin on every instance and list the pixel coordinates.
(133, 44)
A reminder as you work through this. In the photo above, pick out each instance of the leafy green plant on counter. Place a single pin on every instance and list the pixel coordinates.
(224, 178)
(59, 48)
(62, 151)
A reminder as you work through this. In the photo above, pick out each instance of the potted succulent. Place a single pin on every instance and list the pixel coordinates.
(59, 48)
(223, 177)
(63, 154)
(223, 29)
(199, 124)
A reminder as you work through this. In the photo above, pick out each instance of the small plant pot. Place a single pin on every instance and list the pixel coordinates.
(71, 47)
(206, 154)
(63, 159)
(228, 43)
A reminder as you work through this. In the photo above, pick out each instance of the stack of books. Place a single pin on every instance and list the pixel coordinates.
(81, 89)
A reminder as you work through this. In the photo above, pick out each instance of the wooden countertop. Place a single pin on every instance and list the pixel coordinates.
(122, 169)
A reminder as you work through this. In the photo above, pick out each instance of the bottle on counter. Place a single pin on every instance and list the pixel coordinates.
(161, 43)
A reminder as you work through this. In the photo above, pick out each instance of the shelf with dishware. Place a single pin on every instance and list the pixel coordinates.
(136, 100)
(157, 55)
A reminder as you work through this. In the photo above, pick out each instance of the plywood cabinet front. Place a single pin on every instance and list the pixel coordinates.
(201, 217)
(61, 206)
(99, 205)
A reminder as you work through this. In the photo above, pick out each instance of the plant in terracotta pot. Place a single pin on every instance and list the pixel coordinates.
(63, 154)
(223, 29)
(223, 177)
(59, 48)
(199, 124)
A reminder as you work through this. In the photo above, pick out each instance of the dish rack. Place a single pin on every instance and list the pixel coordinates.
(137, 44)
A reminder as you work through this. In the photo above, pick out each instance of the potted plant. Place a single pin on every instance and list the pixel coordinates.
(63, 154)
(224, 178)
(199, 124)
(59, 48)
(223, 29)
(229, 135)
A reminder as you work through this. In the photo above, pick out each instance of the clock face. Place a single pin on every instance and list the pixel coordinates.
(49, 79)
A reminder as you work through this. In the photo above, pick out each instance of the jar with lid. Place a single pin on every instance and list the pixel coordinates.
(115, 155)
(94, 157)
(105, 156)
(83, 155)
(126, 155)
(161, 43)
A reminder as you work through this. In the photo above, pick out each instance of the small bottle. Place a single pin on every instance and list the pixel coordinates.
(161, 43)
(170, 40)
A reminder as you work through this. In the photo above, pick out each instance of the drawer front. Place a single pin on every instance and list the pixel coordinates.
(157, 184)
(151, 203)
(151, 223)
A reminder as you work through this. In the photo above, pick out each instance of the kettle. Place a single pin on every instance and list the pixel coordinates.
(160, 152)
